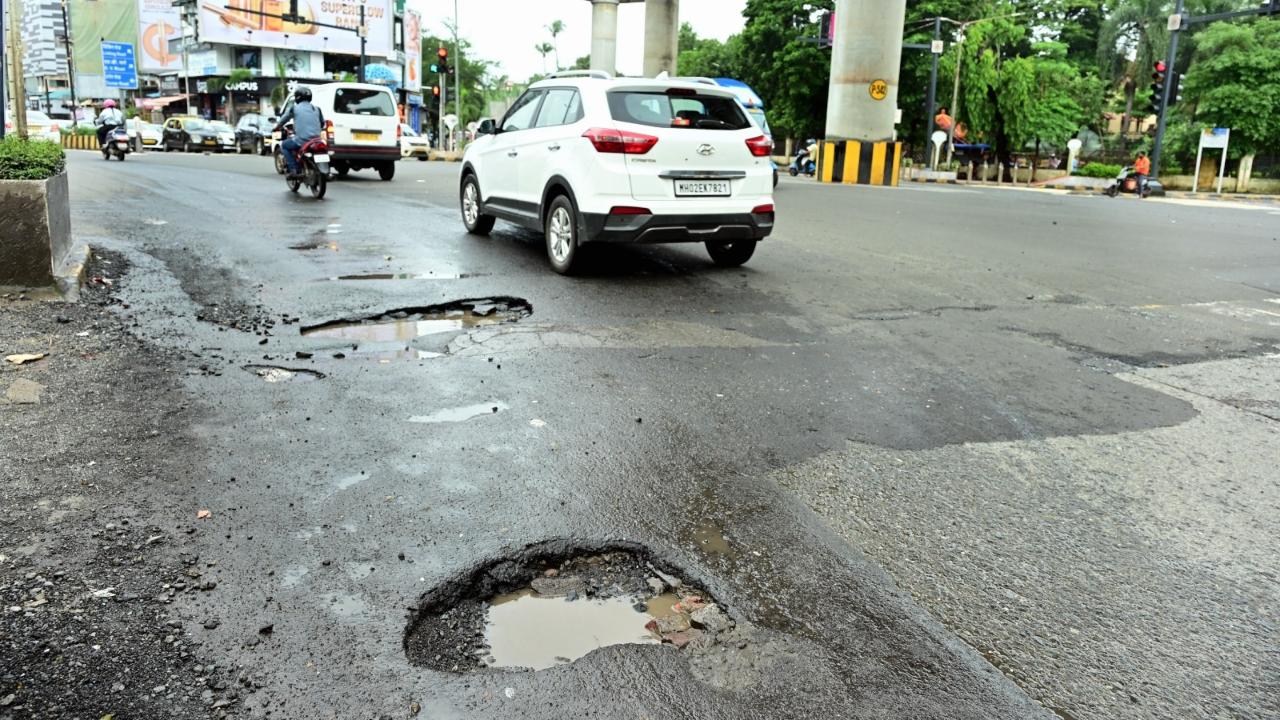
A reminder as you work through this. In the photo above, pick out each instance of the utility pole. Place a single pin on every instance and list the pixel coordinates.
(4, 77)
(18, 98)
(457, 70)
(364, 34)
(71, 67)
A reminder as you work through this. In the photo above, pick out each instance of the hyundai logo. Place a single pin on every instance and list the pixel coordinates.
(706, 149)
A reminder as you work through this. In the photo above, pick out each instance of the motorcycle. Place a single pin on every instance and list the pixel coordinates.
(313, 160)
(1127, 182)
(802, 163)
(117, 144)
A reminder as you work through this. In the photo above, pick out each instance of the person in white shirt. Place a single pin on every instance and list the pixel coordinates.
(110, 117)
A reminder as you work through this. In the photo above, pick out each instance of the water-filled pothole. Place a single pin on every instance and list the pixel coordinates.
(551, 605)
(408, 323)
(429, 275)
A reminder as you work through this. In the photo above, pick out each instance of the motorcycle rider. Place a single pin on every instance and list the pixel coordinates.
(308, 123)
(109, 118)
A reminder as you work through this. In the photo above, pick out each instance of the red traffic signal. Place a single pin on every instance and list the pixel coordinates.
(1160, 66)
(443, 53)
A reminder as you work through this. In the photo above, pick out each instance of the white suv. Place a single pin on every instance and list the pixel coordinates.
(586, 158)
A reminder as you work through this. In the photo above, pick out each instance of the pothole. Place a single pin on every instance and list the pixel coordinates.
(430, 275)
(551, 605)
(316, 244)
(408, 323)
(461, 414)
(278, 374)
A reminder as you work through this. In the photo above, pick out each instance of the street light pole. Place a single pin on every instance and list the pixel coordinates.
(364, 33)
(933, 85)
(71, 67)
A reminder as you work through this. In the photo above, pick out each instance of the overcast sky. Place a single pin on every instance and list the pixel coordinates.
(505, 31)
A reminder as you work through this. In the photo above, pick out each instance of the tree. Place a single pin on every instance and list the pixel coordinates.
(790, 74)
(1134, 35)
(707, 57)
(544, 49)
(1234, 82)
(555, 28)
(472, 75)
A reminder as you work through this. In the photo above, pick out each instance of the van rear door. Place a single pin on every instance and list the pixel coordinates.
(364, 117)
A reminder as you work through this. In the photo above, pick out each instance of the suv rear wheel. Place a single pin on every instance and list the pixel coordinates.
(731, 254)
(477, 222)
(561, 227)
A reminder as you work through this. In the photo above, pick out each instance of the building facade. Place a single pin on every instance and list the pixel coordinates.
(44, 57)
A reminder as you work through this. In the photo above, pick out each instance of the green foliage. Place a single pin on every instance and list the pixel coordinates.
(1099, 170)
(30, 159)
(774, 58)
(1234, 81)
(280, 92)
(472, 73)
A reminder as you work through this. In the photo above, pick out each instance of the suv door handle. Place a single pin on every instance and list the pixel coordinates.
(512, 153)
(553, 148)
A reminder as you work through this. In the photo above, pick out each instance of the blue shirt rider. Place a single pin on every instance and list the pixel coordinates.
(308, 123)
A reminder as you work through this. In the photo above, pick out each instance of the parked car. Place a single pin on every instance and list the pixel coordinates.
(39, 126)
(363, 127)
(144, 134)
(586, 157)
(187, 133)
(226, 136)
(412, 144)
(253, 134)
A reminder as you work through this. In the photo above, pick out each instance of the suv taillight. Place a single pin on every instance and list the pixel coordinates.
(607, 140)
(328, 130)
(760, 146)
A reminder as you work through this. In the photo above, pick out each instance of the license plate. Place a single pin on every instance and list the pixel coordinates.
(703, 188)
(320, 158)
(366, 136)
(210, 142)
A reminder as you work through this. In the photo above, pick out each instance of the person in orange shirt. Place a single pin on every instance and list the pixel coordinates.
(1142, 168)
(943, 120)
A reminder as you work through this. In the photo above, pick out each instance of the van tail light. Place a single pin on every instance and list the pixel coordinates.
(607, 140)
(760, 146)
(629, 210)
(328, 130)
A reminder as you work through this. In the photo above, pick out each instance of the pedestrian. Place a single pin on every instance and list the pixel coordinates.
(1141, 169)
(943, 120)
(962, 133)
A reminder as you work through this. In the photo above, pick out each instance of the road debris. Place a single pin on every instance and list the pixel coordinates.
(24, 358)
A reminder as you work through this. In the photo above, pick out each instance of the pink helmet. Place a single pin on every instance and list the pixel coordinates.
(109, 104)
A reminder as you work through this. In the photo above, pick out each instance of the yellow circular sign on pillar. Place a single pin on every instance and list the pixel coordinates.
(879, 89)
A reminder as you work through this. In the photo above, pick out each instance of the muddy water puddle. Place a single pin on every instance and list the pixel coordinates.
(430, 275)
(527, 630)
(461, 414)
(405, 324)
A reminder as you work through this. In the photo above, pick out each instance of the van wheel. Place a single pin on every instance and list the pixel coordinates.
(341, 169)
(731, 254)
(561, 228)
(477, 222)
(387, 170)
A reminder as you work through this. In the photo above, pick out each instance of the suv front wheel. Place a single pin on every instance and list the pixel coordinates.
(477, 222)
(561, 227)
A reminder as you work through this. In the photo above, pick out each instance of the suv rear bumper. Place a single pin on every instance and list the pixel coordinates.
(677, 228)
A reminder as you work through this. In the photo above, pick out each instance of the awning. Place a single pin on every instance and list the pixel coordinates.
(158, 102)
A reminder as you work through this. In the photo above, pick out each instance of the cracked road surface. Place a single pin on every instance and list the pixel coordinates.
(956, 454)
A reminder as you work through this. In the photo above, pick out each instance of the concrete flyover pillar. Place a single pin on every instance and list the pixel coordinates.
(604, 35)
(862, 101)
(661, 36)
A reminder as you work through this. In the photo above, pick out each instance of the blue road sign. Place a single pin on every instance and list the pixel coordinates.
(119, 65)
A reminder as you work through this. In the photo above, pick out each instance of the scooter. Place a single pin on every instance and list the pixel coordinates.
(802, 163)
(313, 160)
(117, 143)
(1127, 182)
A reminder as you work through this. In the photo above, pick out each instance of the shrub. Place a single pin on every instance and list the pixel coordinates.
(30, 159)
(1099, 170)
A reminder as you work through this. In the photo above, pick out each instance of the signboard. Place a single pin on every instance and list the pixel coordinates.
(937, 47)
(1212, 138)
(413, 51)
(878, 89)
(119, 66)
(159, 23)
(233, 22)
(95, 21)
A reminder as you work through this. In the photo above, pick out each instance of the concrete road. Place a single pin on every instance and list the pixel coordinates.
(954, 452)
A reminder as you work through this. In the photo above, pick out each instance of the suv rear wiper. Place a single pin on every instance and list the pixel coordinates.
(713, 123)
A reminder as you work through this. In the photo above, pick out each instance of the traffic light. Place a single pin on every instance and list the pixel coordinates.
(1175, 88)
(441, 65)
(1157, 86)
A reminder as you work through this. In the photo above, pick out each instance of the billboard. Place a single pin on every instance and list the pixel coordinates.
(413, 51)
(159, 22)
(234, 22)
(92, 22)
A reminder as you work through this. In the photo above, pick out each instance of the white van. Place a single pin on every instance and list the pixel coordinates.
(363, 126)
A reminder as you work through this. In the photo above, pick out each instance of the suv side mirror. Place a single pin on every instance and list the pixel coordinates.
(487, 127)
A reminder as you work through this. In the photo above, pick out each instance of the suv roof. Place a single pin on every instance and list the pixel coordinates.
(599, 78)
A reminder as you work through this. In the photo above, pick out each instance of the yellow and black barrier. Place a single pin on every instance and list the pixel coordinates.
(79, 142)
(859, 163)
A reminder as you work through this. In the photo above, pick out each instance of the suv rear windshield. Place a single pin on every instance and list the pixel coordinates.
(659, 109)
(357, 101)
